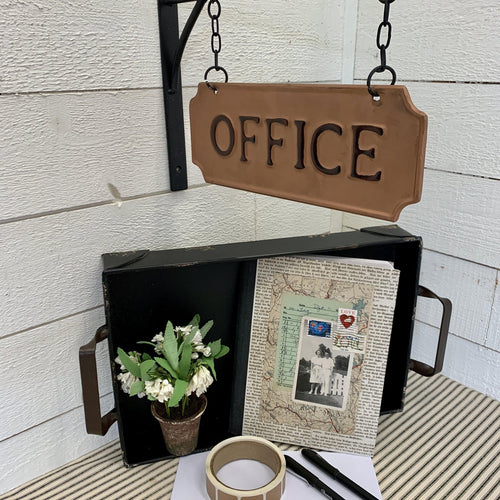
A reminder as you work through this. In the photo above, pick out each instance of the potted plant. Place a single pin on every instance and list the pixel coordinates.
(174, 377)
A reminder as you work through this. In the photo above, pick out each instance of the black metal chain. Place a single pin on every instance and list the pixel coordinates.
(382, 45)
(214, 11)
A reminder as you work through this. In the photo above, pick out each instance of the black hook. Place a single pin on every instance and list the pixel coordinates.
(215, 68)
(379, 69)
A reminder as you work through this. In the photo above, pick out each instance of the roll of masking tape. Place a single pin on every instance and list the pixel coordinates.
(245, 448)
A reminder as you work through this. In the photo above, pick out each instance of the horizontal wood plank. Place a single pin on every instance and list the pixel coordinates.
(493, 336)
(462, 132)
(445, 41)
(49, 445)
(469, 286)
(52, 264)
(276, 217)
(54, 45)
(454, 217)
(49, 355)
(65, 150)
(468, 363)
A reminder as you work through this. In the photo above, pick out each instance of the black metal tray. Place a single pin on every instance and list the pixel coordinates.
(143, 289)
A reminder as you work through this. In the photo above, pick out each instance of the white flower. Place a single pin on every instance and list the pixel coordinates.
(127, 379)
(200, 381)
(199, 346)
(197, 340)
(160, 389)
(185, 330)
(158, 340)
(119, 361)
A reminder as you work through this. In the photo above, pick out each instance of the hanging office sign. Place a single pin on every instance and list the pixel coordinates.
(327, 145)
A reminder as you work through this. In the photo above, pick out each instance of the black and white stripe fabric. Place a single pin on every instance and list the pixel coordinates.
(444, 446)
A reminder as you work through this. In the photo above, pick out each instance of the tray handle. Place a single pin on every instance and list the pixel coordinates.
(95, 424)
(423, 368)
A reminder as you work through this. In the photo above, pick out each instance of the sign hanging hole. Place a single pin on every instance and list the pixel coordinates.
(215, 68)
(379, 69)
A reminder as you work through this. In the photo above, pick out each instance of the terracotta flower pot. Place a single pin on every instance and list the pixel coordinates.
(180, 435)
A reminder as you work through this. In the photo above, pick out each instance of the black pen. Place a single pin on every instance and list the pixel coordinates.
(314, 481)
(336, 474)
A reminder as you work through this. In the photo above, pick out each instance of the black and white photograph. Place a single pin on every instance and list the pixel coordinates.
(322, 373)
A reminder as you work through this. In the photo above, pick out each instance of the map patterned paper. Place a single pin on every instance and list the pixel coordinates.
(290, 293)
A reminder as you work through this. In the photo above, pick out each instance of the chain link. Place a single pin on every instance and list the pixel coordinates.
(383, 42)
(214, 12)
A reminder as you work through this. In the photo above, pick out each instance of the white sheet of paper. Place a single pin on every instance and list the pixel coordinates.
(190, 479)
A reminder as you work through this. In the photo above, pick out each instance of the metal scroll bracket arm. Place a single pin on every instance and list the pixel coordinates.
(171, 48)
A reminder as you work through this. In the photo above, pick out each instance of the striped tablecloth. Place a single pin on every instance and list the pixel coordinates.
(444, 446)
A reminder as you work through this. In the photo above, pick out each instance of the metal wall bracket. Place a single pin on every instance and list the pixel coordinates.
(172, 47)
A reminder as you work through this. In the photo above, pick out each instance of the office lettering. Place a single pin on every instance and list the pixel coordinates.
(213, 135)
(356, 131)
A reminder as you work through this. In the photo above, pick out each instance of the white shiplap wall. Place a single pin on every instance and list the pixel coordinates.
(446, 53)
(84, 171)
(82, 120)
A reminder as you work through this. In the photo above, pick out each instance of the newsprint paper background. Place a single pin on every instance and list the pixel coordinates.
(320, 336)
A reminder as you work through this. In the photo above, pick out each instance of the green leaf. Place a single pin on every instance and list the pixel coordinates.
(224, 349)
(146, 342)
(185, 362)
(215, 347)
(145, 366)
(179, 391)
(205, 328)
(137, 387)
(195, 321)
(210, 363)
(165, 364)
(170, 346)
(187, 340)
(130, 365)
(146, 356)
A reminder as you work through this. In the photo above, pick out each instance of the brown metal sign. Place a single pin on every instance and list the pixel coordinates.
(327, 145)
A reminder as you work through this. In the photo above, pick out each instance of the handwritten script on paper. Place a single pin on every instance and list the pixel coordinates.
(294, 308)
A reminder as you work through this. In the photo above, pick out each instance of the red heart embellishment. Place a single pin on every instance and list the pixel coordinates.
(347, 321)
